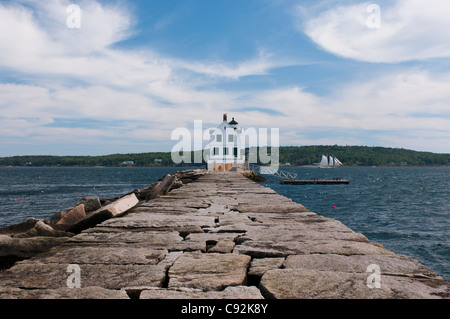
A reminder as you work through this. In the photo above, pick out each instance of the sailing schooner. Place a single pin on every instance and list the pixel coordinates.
(329, 161)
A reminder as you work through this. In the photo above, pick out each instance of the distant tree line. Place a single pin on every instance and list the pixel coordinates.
(361, 156)
(294, 155)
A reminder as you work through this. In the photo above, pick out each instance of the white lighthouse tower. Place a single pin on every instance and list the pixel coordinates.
(226, 147)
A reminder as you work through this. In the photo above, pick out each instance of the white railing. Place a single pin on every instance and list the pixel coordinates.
(270, 170)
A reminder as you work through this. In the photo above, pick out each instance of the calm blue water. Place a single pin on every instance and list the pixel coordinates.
(407, 209)
(39, 192)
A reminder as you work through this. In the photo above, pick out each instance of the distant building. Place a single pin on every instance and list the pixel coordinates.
(128, 163)
(227, 148)
(158, 160)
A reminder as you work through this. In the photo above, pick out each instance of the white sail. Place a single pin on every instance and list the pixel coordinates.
(330, 161)
(337, 162)
(324, 161)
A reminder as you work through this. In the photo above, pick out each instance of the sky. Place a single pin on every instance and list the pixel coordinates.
(121, 76)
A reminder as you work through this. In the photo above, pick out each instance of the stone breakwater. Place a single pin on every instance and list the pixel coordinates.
(221, 236)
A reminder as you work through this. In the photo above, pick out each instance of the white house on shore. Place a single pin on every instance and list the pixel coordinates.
(226, 147)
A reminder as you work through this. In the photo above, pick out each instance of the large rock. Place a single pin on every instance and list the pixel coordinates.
(90, 203)
(27, 247)
(222, 246)
(316, 284)
(238, 292)
(161, 221)
(253, 176)
(261, 249)
(389, 264)
(154, 239)
(259, 266)
(115, 209)
(71, 217)
(170, 240)
(270, 206)
(104, 255)
(209, 271)
(163, 187)
(37, 275)
(63, 293)
(42, 229)
(144, 193)
(18, 228)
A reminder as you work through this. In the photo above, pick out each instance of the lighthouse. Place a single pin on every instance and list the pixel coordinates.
(226, 146)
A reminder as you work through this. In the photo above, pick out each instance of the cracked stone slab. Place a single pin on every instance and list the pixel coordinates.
(167, 204)
(27, 247)
(303, 219)
(271, 206)
(297, 232)
(259, 266)
(232, 218)
(168, 209)
(54, 276)
(156, 221)
(235, 292)
(237, 228)
(316, 284)
(389, 264)
(260, 249)
(63, 293)
(223, 246)
(118, 255)
(149, 238)
(170, 240)
(170, 258)
(216, 236)
(209, 271)
(214, 208)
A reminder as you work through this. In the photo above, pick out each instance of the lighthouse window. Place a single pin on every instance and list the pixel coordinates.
(215, 151)
(236, 152)
(230, 138)
(218, 138)
(225, 151)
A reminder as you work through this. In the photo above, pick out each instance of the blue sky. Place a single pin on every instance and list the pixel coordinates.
(136, 70)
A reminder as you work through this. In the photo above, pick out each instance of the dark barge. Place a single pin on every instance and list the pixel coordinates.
(315, 181)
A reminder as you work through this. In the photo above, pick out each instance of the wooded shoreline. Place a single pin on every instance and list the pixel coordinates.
(288, 156)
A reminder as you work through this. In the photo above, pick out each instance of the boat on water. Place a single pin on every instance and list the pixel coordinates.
(330, 162)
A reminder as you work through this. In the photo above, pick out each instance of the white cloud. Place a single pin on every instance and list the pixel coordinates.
(404, 109)
(257, 66)
(410, 30)
(139, 96)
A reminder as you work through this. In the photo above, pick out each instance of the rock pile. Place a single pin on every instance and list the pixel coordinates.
(253, 176)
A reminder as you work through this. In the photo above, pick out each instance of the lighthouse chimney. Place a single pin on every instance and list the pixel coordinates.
(225, 118)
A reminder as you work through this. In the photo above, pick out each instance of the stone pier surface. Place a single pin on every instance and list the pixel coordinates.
(222, 236)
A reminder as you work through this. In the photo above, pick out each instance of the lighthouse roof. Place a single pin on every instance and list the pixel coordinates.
(233, 122)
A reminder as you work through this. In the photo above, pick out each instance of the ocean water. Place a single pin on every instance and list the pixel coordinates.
(406, 209)
(39, 192)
